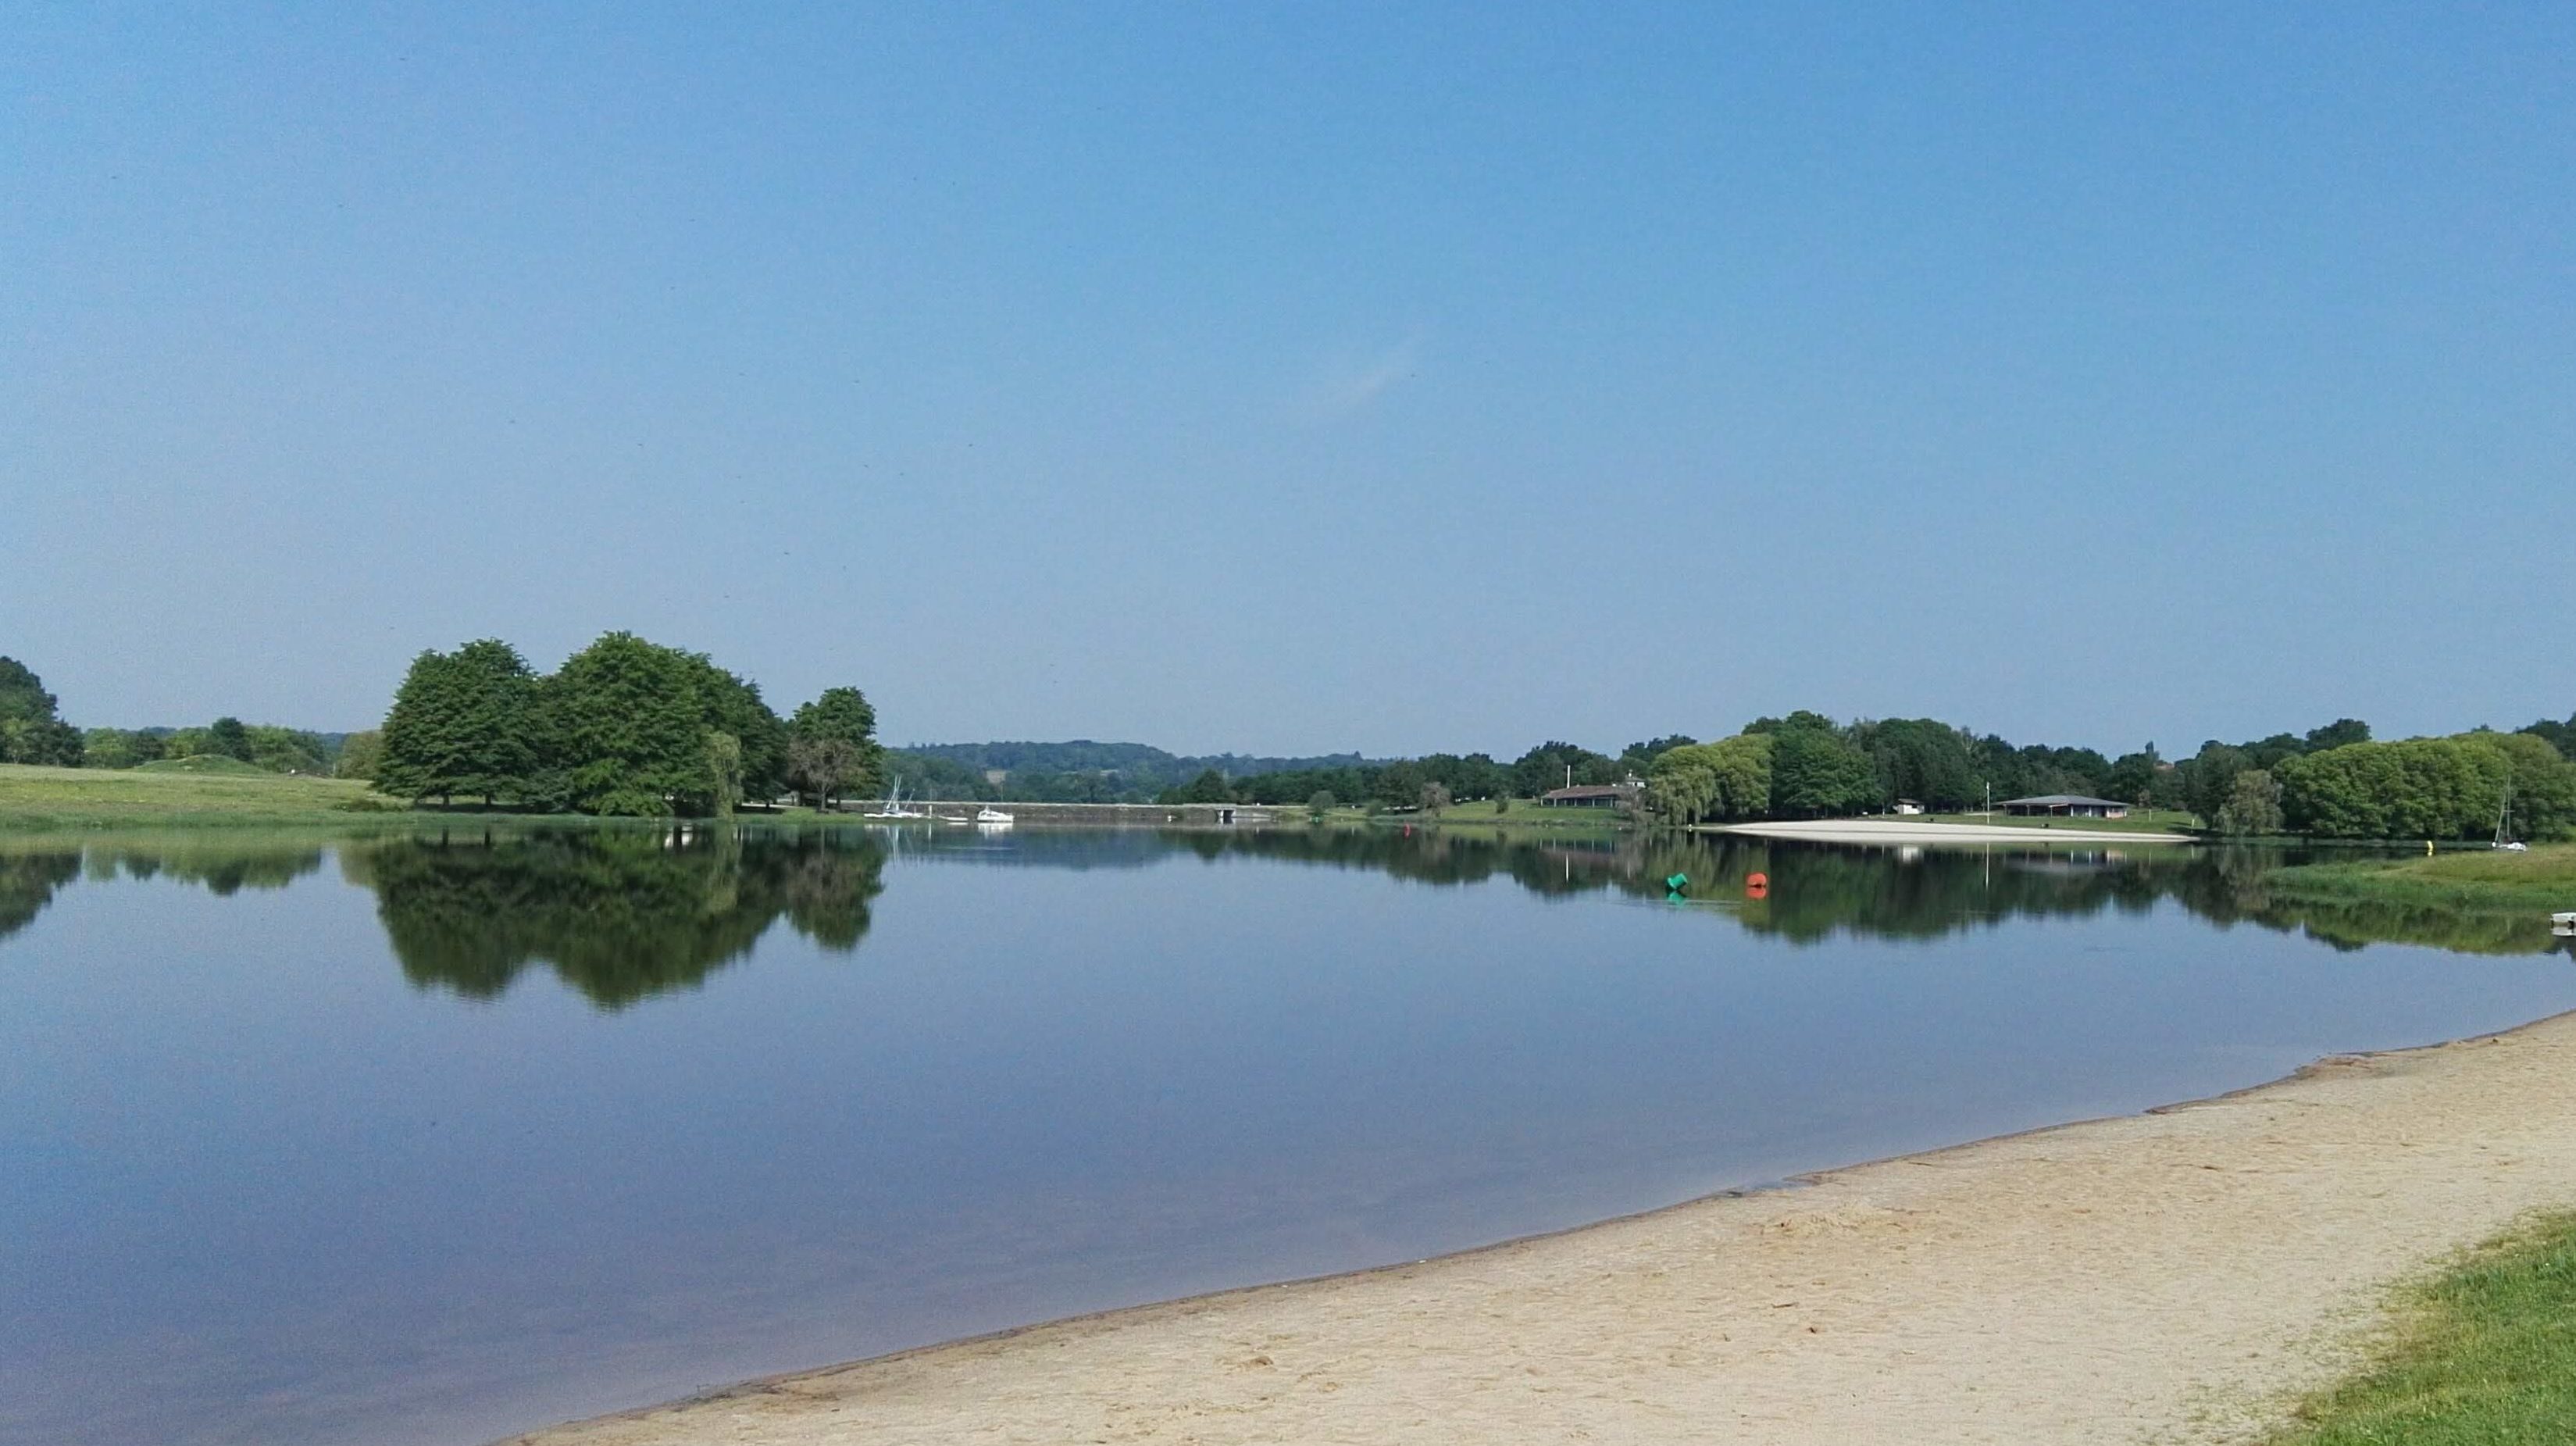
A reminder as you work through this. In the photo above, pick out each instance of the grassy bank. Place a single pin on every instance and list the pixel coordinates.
(2542, 881)
(2485, 1354)
(34, 798)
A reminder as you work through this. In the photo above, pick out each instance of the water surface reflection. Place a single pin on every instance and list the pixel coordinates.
(624, 914)
(473, 1132)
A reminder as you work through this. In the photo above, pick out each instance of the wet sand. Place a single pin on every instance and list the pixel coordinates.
(2167, 1277)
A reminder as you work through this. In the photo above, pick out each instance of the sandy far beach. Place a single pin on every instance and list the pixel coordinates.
(1904, 831)
(2154, 1278)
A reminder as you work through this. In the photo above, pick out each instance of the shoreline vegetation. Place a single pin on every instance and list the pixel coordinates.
(2254, 1267)
(2483, 1352)
(2468, 881)
(628, 727)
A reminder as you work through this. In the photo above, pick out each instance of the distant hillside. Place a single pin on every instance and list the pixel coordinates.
(1076, 771)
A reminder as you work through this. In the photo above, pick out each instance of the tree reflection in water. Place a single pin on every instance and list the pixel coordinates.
(624, 914)
(618, 915)
(27, 884)
(32, 870)
(1818, 890)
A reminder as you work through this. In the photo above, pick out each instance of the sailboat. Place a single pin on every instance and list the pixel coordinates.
(894, 808)
(2504, 838)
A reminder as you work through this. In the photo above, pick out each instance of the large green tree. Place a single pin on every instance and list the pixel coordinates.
(1549, 765)
(464, 724)
(1922, 759)
(230, 738)
(2209, 778)
(631, 725)
(30, 730)
(2543, 783)
(733, 706)
(1816, 773)
(832, 745)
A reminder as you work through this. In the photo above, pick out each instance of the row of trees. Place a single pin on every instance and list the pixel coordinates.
(625, 726)
(1801, 766)
(2461, 787)
(32, 731)
(2332, 782)
(1436, 779)
(1825, 769)
(263, 745)
(2208, 779)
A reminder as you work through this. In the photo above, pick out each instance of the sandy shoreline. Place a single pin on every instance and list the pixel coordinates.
(2162, 1277)
(1901, 831)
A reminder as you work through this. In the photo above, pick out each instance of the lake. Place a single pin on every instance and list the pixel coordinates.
(424, 1140)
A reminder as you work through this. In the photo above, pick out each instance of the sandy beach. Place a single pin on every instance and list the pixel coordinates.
(1905, 831)
(2166, 1277)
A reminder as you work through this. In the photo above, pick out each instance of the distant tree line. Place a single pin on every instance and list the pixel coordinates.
(2330, 782)
(1079, 771)
(2336, 782)
(1435, 780)
(625, 726)
(628, 726)
(32, 731)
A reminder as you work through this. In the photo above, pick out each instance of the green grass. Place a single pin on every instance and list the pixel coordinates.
(198, 793)
(34, 798)
(2481, 1356)
(2467, 880)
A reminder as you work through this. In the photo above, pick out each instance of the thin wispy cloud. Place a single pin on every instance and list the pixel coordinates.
(1354, 385)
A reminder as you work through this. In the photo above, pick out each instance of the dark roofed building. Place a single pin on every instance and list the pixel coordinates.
(2065, 805)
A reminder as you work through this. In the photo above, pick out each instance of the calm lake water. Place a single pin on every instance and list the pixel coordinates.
(422, 1142)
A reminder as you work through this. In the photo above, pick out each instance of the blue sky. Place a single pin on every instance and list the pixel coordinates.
(1304, 378)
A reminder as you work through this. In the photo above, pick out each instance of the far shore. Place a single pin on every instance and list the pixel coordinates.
(1898, 830)
(2175, 1276)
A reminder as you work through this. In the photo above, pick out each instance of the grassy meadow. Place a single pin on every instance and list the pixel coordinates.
(2542, 881)
(2484, 1354)
(173, 794)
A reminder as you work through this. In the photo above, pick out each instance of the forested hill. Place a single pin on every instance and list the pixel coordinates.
(1080, 770)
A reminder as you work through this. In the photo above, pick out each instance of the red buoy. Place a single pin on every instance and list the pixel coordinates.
(1757, 881)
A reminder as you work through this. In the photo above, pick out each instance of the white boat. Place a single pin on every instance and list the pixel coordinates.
(994, 817)
(894, 808)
